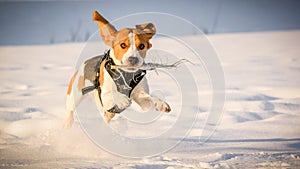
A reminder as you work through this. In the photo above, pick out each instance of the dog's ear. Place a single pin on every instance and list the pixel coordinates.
(147, 28)
(107, 30)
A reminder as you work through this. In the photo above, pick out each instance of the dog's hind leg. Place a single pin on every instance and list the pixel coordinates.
(74, 96)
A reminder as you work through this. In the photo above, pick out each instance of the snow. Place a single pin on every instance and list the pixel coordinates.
(259, 126)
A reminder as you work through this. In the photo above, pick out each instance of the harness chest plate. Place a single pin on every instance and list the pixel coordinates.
(125, 81)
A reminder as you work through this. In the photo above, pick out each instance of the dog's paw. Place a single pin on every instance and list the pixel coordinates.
(161, 106)
(122, 101)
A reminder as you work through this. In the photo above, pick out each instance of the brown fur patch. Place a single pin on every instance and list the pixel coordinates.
(122, 37)
(106, 29)
(101, 78)
(71, 83)
(81, 83)
(142, 39)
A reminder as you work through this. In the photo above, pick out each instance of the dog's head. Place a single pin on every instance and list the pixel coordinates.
(128, 45)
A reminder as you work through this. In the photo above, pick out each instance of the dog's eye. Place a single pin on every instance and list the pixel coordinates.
(141, 46)
(123, 45)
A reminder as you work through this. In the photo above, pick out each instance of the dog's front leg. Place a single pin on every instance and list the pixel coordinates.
(112, 99)
(142, 97)
(113, 102)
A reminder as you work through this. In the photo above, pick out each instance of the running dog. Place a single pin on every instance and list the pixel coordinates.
(115, 77)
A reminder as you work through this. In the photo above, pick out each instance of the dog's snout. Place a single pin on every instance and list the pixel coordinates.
(133, 60)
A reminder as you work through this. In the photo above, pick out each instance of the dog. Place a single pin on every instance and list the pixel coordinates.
(115, 88)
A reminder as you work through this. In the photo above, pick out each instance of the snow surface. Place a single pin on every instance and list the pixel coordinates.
(259, 128)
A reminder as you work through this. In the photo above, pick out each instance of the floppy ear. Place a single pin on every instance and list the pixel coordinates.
(106, 29)
(148, 28)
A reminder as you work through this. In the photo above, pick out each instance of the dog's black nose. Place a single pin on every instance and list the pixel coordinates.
(133, 60)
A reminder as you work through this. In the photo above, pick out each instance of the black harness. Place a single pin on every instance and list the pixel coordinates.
(125, 81)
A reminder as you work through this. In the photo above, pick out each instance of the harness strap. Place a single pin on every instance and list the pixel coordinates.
(87, 89)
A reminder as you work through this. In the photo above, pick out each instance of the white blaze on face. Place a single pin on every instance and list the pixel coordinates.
(132, 52)
(132, 41)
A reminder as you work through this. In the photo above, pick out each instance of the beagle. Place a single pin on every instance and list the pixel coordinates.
(114, 86)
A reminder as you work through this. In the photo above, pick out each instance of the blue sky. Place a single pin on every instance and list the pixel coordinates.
(44, 22)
